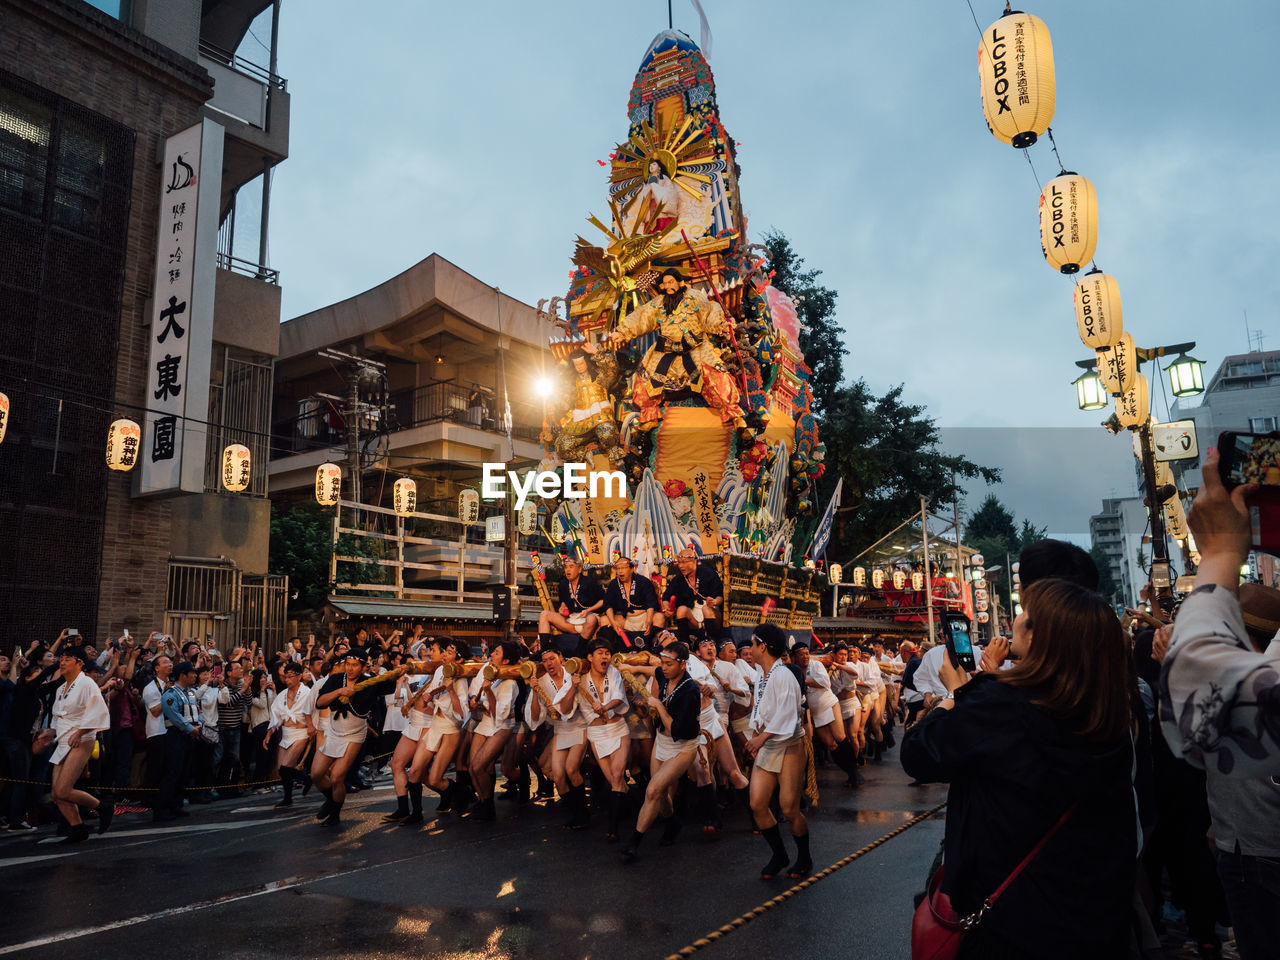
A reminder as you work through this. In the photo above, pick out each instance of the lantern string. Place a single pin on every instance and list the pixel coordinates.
(1054, 143)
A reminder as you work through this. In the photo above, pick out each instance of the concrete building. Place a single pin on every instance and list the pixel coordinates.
(440, 355)
(1118, 530)
(127, 131)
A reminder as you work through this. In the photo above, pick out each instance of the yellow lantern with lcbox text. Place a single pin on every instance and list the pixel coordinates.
(528, 519)
(1099, 319)
(1133, 406)
(859, 576)
(1015, 74)
(124, 438)
(468, 506)
(236, 467)
(404, 496)
(877, 579)
(4, 415)
(328, 484)
(1068, 222)
(1118, 365)
(835, 573)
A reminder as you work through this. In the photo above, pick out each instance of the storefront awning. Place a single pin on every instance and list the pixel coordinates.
(382, 608)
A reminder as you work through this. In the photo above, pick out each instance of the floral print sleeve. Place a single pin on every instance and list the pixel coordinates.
(1220, 700)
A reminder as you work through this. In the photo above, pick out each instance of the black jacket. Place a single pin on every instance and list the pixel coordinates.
(1014, 770)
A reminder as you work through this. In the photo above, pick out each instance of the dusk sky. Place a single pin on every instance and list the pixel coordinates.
(474, 131)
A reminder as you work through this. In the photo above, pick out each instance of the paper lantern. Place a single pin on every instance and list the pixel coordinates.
(1118, 365)
(4, 415)
(877, 579)
(528, 519)
(899, 579)
(404, 496)
(1133, 406)
(980, 595)
(1098, 314)
(917, 581)
(236, 467)
(1068, 222)
(124, 437)
(979, 573)
(983, 616)
(859, 576)
(1175, 519)
(328, 484)
(977, 560)
(981, 605)
(468, 506)
(1015, 75)
(835, 573)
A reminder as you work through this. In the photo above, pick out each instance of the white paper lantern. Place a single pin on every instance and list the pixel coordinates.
(859, 576)
(917, 581)
(236, 467)
(877, 579)
(979, 573)
(983, 616)
(124, 438)
(981, 605)
(528, 519)
(4, 415)
(980, 595)
(1068, 222)
(1118, 365)
(899, 579)
(1175, 519)
(1133, 406)
(977, 560)
(980, 583)
(328, 484)
(835, 573)
(468, 506)
(1098, 315)
(1015, 75)
(404, 496)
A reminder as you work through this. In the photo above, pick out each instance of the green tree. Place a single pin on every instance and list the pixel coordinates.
(993, 521)
(1029, 534)
(887, 452)
(821, 336)
(301, 548)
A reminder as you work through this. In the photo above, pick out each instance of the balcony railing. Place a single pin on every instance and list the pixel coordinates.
(240, 64)
(247, 268)
(319, 425)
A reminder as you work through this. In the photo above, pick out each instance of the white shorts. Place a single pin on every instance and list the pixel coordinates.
(769, 757)
(335, 744)
(849, 707)
(487, 727)
(822, 716)
(868, 701)
(607, 739)
(664, 748)
(63, 748)
(741, 725)
(709, 720)
(441, 727)
(291, 735)
(569, 735)
(322, 722)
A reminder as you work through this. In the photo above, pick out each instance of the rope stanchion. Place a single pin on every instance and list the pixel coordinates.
(737, 923)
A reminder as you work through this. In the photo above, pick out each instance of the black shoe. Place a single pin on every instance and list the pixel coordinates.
(484, 811)
(670, 832)
(629, 854)
(326, 808)
(106, 810)
(774, 867)
(800, 869)
(446, 798)
(77, 834)
(395, 816)
(286, 802)
(412, 820)
(332, 820)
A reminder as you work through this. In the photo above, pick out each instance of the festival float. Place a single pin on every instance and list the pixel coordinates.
(681, 366)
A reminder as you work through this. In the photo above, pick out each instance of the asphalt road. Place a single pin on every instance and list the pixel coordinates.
(239, 879)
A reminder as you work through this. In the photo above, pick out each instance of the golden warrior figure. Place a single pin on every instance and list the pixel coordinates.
(590, 418)
(683, 360)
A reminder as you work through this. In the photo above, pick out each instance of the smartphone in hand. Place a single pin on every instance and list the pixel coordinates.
(955, 627)
(1255, 458)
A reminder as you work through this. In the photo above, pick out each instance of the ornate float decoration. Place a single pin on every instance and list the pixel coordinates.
(681, 365)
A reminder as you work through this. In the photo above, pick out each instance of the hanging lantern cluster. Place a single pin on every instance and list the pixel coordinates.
(124, 438)
(328, 484)
(859, 576)
(1068, 222)
(404, 497)
(835, 573)
(1099, 318)
(1015, 75)
(236, 467)
(468, 506)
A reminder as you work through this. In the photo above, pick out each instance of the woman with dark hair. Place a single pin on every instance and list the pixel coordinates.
(262, 691)
(1040, 752)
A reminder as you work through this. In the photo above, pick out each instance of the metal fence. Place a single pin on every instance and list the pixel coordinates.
(263, 602)
(240, 412)
(213, 599)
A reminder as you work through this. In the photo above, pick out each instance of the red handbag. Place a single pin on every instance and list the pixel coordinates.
(937, 930)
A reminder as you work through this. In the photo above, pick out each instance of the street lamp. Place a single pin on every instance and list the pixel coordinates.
(1090, 394)
(1186, 375)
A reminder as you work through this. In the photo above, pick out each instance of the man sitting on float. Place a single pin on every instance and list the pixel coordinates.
(631, 607)
(580, 601)
(696, 596)
(682, 360)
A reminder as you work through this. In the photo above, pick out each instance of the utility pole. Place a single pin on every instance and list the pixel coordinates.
(928, 581)
(359, 370)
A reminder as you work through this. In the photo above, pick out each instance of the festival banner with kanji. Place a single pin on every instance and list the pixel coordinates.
(173, 450)
(593, 532)
(704, 511)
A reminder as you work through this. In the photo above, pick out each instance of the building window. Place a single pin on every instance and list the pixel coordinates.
(1262, 424)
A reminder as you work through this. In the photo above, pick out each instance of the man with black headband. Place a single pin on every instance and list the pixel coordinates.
(349, 711)
(695, 596)
(631, 606)
(683, 360)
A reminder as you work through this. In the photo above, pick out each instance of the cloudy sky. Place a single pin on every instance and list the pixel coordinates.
(474, 130)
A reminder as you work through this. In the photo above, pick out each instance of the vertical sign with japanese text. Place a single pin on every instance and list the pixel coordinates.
(704, 512)
(181, 337)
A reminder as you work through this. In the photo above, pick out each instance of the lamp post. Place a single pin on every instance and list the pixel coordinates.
(1185, 375)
